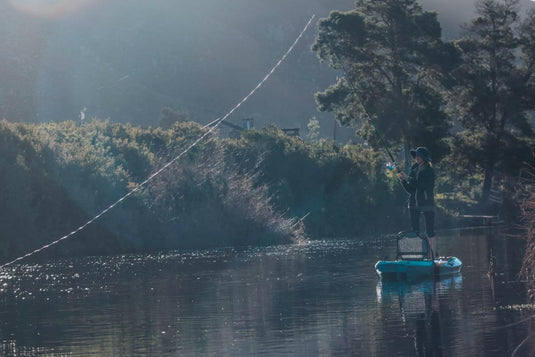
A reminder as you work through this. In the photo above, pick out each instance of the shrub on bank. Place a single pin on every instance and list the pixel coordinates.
(57, 176)
(342, 190)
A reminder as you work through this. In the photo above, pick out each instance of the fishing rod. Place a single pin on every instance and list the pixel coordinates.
(393, 166)
(369, 118)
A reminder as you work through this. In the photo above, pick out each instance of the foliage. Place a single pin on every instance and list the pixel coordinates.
(392, 55)
(494, 92)
(35, 206)
(313, 127)
(224, 192)
(343, 190)
(209, 201)
(57, 176)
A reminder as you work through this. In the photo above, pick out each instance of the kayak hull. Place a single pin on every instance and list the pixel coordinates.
(410, 269)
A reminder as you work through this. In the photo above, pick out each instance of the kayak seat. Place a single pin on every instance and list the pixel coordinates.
(410, 246)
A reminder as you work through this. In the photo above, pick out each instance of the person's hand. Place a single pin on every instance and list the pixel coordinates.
(402, 175)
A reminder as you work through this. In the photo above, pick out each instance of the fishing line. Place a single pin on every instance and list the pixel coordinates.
(353, 88)
(359, 98)
(352, 85)
(164, 167)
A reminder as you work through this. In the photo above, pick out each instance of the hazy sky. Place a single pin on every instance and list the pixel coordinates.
(126, 59)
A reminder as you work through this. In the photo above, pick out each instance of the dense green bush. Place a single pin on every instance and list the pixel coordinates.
(56, 176)
(343, 189)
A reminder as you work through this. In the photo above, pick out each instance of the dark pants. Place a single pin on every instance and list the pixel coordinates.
(429, 221)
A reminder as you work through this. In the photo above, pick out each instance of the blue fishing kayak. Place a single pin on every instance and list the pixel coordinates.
(410, 269)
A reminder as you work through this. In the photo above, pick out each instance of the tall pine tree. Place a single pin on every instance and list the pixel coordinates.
(494, 95)
(391, 50)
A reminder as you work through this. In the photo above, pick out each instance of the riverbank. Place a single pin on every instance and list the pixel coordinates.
(262, 188)
(57, 176)
(224, 192)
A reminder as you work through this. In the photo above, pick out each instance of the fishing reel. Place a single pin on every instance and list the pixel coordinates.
(391, 166)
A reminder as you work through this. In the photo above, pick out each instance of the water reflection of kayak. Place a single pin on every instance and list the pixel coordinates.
(415, 298)
(395, 288)
(414, 269)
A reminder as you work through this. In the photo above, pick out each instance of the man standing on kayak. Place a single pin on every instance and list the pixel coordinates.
(420, 185)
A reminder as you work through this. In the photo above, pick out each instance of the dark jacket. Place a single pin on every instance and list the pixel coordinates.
(420, 185)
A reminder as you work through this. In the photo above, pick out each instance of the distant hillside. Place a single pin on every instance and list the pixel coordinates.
(127, 62)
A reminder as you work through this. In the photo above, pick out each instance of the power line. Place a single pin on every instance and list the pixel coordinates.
(216, 123)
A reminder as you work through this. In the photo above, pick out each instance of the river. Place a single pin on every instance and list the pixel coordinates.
(318, 299)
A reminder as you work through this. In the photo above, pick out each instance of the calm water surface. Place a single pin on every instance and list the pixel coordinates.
(322, 298)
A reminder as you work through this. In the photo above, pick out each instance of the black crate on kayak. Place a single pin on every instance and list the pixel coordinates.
(411, 246)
